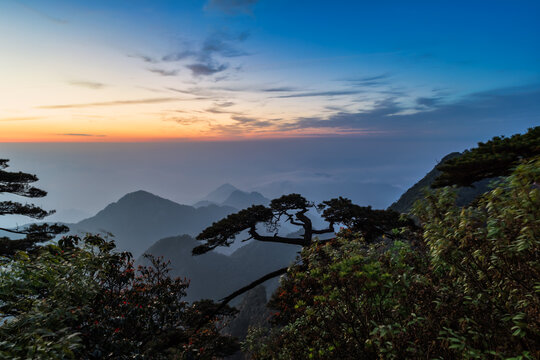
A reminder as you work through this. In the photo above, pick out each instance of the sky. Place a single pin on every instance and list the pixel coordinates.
(170, 70)
(177, 97)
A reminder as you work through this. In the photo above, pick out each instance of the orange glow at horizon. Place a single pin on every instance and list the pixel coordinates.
(139, 119)
(43, 130)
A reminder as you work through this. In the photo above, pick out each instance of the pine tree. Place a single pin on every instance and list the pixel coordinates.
(362, 221)
(19, 183)
(497, 157)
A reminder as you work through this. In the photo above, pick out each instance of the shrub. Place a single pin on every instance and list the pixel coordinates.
(465, 287)
(80, 299)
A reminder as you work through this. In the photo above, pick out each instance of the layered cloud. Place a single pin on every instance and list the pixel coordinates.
(321, 93)
(369, 81)
(20, 118)
(205, 59)
(163, 72)
(208, 68)
(466, 116)
(111, 103)
(216, 46)
(471, 112)
(82, 135)
(88, 84)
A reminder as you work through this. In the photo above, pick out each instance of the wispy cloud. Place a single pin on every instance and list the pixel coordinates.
(224, 104)
(472, 112)
(369, 81)
(245, 125)
(154, 90)
(428, 101)
(217, 110)
(111, 103)
(180, 55)
(253, 122)
(205, 69)
(44, 15)
(335, 108)
(189, 92)
(163, 72)
(222, 43)
(88, 84)
(145, 58)
(322, 93)
(364, 119)
(231, 7)
(21, 118)
(82, 135)
(280, 89)
(199, 93)
(467, 116)
(206, 58)
(186, 120)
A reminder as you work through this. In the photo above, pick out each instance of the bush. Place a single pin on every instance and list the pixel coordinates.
(466, 287)
(80, 299)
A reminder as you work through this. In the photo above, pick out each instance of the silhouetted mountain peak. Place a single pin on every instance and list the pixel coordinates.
(140, 218)
(226, 187)
(220, 194)
(138, 194)
(143, 197)
(241, 199)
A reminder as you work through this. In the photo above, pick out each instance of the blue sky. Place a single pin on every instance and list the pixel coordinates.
(236, 69)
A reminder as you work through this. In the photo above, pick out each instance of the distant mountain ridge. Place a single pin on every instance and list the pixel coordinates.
(140, 218)
(241, 199)
(220, 194)
(416, 192)
(228, 195)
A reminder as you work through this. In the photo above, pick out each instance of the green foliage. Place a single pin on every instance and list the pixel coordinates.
(466, 287)
(489, 252)
(494, 158)
(351, 300)
(82, 300)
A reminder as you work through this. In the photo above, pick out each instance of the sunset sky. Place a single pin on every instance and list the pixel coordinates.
(164, 70)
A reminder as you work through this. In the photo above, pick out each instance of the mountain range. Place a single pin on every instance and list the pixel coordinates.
(139, 219)
(145, 223)
(141, 222)
(228, 195)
